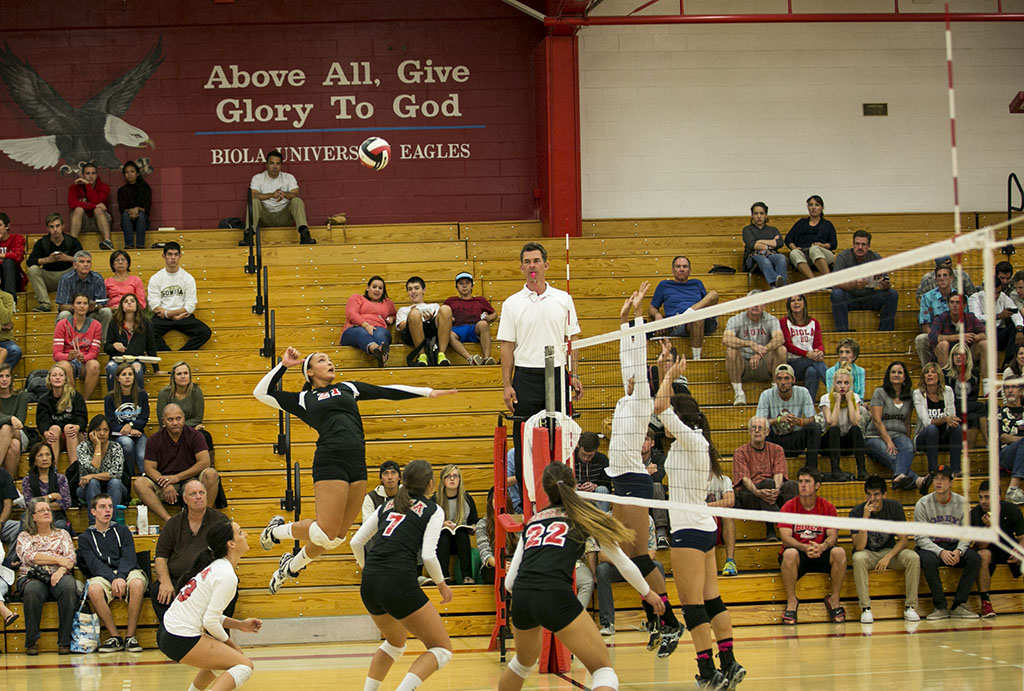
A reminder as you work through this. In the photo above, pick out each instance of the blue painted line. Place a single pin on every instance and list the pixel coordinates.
(346, 129)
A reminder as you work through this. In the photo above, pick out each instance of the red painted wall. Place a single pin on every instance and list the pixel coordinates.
(477, 162)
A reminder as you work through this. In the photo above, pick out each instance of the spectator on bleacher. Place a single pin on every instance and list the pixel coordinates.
(961, 374)
(185, 393)
(460, 519)
(390, 479)
(754, 347)
(43, 481)
(1011, 440)
(936, 300)
(130, 334)
(1009, 321)
(9, 527)
(485, 541)
(1011, 522)
(1017, 292)
(943, 506)
(89, 205)
(536, 316)
(875, 294)
(13, 413)
(101, 466)
(6, 615)
(108, 553)
(183, 537)
(276, 201)
(880, 552)
(45, 546)
(938, 427)
(10, 352)
(76, 345)
(83, 281)
(944, 334)
(61, 415)
(812, 240)
(424, 320)
(790, 410)
(931, 279)
(840, 408)
(720, 493)
(172, 298)
(123, 282)
(134, 200)
(127, 411)
(811, 549)
(472, 316)
(51, 256)
(590, 464)
(847, 352)
(1015, 363)
(511, 486)
(887, 437)
(680, 294)
(175, 454)
(368, 321)
(12, 252)
(804, 345)
(761, 245)
(654, 462)
(606, 574)
(759, 473)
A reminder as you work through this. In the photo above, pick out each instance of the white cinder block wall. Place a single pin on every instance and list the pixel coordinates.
(703, 120)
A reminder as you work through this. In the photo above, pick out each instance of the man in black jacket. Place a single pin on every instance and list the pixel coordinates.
(590, 466)
(51, 256)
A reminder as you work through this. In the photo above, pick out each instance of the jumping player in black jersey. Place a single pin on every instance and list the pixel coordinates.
(540, 580)
(690, 462)
(404, 528)
(339, 463)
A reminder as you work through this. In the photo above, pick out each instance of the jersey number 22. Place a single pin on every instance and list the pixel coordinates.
(551, 535)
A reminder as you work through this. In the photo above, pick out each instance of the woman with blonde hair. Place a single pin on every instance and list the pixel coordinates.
(841, 409)
(962, 377)
(13, 414)
(460, 516)
(61, 414)
(938, 425)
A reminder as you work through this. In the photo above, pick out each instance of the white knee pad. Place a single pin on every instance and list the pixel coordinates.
(240, 673)
(318, 537)
(443, 655)
(518, 668)
(394, 652)
(605, 677)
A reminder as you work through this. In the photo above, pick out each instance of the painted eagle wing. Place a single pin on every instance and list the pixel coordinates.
(117, 96)
(40, 101)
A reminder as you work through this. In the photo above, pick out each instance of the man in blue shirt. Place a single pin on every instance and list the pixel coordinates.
(936, 300)
(82, 279)
(680, 294)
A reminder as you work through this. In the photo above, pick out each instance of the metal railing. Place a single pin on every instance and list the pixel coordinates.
(1011, 182)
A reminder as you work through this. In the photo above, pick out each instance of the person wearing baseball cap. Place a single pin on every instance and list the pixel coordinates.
(928, 280)
(790, 411)
(390, 479)
(471, 320)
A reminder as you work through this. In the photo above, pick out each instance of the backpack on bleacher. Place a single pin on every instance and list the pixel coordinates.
(35, 384)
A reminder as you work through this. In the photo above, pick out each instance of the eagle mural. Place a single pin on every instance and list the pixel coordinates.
(75, 135)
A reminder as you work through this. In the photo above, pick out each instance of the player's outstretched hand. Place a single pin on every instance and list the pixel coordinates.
(446, 592)
(434, 393)
(655, 601)
(291, 357)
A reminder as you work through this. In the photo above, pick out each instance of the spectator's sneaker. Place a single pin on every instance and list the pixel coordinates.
(282, 574)
(131, 645)
(111, 645)
(476, 360)
(421, 361)
(740, 399)
(730, 568)
(443, 361)
(490, 361)
(1015, 495)
(866, 617)
(41, 308)
(304, 237)
(655, 639)
(938, 614)
(670, 636)
(267, 539)
(607, 629)
(910, 614)
(734, 673)
(716, 682)
(106, 245)
(987, 611)
(663, 541)
(961, 612)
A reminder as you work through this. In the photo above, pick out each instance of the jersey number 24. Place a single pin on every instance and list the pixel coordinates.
(550, 535)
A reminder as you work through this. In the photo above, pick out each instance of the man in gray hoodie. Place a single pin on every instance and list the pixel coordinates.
(943, 506)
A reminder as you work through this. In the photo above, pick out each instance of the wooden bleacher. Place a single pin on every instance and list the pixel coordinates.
(309, 286)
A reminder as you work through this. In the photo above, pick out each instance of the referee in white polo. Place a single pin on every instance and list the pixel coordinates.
(539, 315)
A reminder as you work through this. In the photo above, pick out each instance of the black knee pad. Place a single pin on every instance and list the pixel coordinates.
(694, 616)
(644, 563)
(714, 607)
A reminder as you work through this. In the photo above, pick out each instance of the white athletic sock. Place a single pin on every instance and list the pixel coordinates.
(371, 684)
(299, 561)
(738, 388)
(283, 532)
(410, 683)
(696, 353)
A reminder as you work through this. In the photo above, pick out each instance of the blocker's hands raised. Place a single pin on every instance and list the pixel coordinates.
(291, 357)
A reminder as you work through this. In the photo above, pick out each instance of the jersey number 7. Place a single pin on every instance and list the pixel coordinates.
(551, 535)
(394, 520)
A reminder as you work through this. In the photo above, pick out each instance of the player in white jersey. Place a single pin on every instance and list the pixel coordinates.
(193, 629)
(690, 463)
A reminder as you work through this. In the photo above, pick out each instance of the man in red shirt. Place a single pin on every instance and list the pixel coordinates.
(811, 549)
(89, 201)
(12, 252)
(759, 473)
(472, 317)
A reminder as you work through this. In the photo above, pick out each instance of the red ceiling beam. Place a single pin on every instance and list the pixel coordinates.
(782, 18)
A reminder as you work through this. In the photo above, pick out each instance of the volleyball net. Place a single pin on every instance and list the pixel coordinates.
(734, 384)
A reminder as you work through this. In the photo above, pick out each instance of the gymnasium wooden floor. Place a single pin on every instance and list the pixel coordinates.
(887, 655)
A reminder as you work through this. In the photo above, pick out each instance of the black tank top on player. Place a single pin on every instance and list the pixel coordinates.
(398, 542)
(551, 547)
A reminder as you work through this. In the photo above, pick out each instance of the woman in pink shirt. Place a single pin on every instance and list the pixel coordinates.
(122, 283)
(368, 321)
(804, 347)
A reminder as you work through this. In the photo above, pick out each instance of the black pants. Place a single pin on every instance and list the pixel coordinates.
(930, 563)
(852, 442)
(198, 333)
(529, 385)
(806, 438)
(161, 609)
(34, 593)
(9, 278)
(459, 545)
(660, 516)
(746, 499)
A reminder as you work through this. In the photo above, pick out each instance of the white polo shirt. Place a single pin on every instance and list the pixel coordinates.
(264, 184)
(534, 321)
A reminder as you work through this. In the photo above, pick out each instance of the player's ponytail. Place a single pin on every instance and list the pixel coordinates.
(559, 483)
(416, 478)
(217, 539)
(687, 410)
